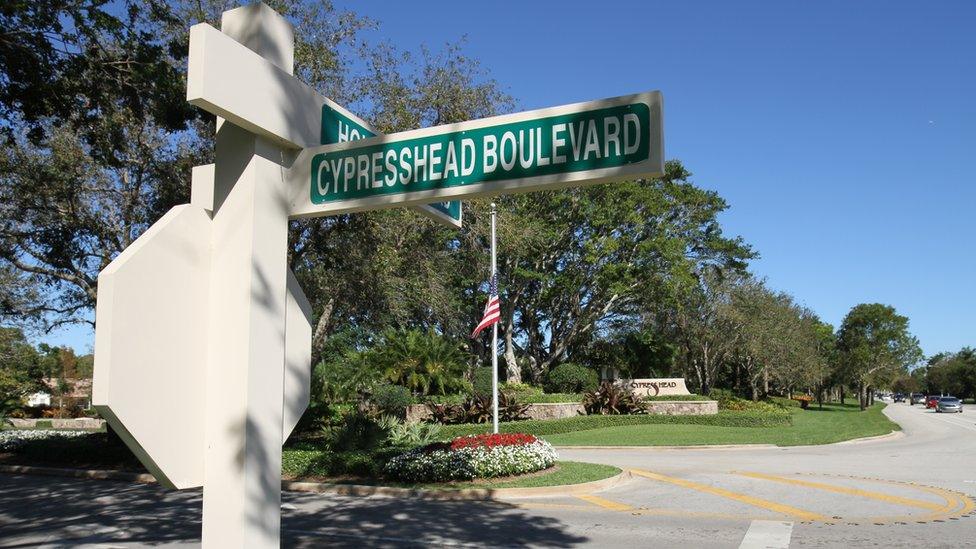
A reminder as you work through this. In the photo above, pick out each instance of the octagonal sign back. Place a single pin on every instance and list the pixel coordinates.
(151, 347)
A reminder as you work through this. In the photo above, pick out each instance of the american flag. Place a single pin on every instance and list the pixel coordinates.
(492, 308)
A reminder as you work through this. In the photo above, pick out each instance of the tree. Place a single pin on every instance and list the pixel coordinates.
(22, 369)
(906, 385)
(424, 362)
(774, 338)
(90, 96)
(101, 141)
(630, 354)
(697, 324)
(952, 373)
(590, 258)
(874, 342)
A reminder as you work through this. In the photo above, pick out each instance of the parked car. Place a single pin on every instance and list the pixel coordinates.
(932, 401)
(899, 397)
(949, 404)
(918, 398)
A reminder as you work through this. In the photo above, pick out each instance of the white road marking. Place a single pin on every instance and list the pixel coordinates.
(954, 419)
(767, 534)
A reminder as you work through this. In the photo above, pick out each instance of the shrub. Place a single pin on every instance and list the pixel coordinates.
(12, 440)
(408, 435)
(552, 398)
(357, 445)
(325, 463)
(354, 432)
(481, 381)
(478, 409)
(612, 399)
(446, 413)
(728, 401)
(391, 399)
(804, 400)
(571, 378)
(522, 391)
(465, 458)
(675, 398)
(544, 427)
(425, 362)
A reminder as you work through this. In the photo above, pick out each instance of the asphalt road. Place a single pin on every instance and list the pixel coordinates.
(909, 491)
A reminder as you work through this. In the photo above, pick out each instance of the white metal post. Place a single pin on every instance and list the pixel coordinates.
(246, 356)
(494, 330)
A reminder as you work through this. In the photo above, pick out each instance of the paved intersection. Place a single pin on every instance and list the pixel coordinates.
(906, 491)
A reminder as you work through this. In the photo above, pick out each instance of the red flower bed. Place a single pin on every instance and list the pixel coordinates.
(491, 441)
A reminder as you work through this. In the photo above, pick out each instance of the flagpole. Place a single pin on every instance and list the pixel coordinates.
(494, 332)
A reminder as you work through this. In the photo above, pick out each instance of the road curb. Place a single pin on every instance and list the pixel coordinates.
(93, 474)
(891, 435)
(690, 447)
(475, 494)
(469, 494)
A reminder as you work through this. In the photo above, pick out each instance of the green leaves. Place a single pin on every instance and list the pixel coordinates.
(875, 345)
(424, 362)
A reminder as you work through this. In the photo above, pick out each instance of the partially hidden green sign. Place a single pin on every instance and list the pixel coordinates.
(580, 144)
(339, 128)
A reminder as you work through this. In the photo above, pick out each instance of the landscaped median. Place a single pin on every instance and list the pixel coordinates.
(386, 452)
(467, 467)
(833, 423)
(547, 428)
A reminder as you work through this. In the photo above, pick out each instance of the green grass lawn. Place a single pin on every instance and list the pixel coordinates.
(834, 423)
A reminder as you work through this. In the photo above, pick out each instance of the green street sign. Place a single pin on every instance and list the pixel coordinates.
(577, 144)
(339, 128)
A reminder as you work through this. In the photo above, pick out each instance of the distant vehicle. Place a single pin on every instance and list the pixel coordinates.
(918, 398)
(899, 397)
(932, 401)
(949, 404)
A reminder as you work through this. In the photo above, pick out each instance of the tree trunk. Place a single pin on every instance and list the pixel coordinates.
(512, 370)
(862, 396)
(322, 328)
(842, 394)
(765, 382)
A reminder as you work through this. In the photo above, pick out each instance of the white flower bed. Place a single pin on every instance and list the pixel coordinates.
(13, 439)
(440, 464)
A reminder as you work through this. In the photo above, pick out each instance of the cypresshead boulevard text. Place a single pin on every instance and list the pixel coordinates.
(588, 140)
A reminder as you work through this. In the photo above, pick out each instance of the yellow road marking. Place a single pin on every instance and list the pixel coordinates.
(849, 491)
(696, 514)
(554, 506)
(742, 498)
(953, 499)
(605, 503)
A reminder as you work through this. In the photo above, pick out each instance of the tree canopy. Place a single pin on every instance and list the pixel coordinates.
(875, 345)
(630, 278)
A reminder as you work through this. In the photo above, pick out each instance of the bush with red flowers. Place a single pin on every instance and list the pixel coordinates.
(492, 440)
(475, 456)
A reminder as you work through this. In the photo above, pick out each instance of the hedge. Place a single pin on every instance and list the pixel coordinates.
(303, 462)
(521, 399)
(543, 427)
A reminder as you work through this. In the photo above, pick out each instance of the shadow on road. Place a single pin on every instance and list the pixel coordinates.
(36, 510)
(52, 509)
(394, 522)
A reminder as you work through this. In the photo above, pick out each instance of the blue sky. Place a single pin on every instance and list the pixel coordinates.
(842, 134)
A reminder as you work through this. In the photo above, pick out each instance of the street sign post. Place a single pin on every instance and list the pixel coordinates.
(221, 72)
(203, 304)
(578, 144)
